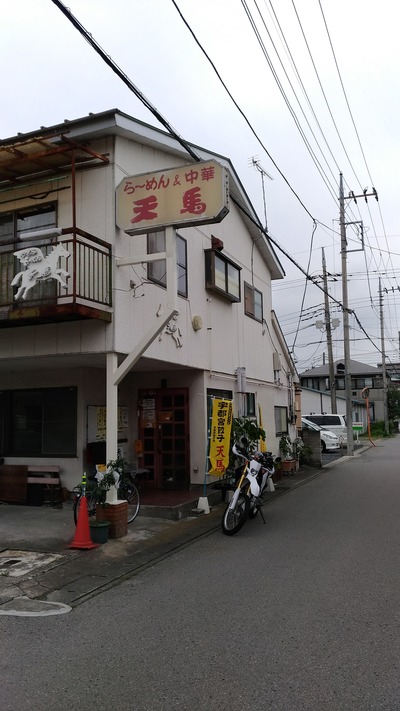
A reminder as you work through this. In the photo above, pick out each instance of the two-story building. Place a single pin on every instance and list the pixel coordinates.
(316, 381)
(93, 323)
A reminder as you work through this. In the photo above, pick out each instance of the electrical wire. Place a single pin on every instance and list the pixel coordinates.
(240, 110)
(305, 286)
(356, 132)
(314, 158)
(107, 59)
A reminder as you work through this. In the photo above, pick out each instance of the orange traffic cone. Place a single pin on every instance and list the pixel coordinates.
(82, 534)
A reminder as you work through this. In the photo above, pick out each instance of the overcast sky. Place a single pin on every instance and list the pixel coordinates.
(342, 89)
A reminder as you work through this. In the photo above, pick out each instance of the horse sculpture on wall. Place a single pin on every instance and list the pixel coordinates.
(39, 268)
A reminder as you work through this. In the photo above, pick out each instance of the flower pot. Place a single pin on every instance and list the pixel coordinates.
(99, 531)
(288, 465)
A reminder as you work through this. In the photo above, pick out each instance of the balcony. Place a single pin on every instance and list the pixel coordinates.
(64, 280)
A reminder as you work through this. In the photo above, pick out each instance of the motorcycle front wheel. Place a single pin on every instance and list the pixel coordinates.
(233, 519)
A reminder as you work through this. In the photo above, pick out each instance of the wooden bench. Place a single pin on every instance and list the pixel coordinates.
(49, 478)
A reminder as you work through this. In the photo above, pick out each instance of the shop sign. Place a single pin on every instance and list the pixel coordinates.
(188, 195)
(220, 436)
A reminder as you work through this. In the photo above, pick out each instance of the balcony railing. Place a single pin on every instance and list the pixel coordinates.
(70, 278)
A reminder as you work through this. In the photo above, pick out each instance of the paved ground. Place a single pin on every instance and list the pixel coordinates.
(39, 574)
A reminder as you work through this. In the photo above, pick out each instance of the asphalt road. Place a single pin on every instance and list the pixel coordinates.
(300, 614)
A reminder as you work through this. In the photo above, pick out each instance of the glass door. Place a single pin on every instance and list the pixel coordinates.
(164, 435)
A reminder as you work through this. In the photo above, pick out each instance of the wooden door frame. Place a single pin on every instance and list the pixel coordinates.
(152, 458)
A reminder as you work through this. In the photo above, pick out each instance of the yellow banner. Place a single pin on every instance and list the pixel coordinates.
(220, 435)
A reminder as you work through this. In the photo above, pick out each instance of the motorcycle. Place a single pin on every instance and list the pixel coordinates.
(251, 481)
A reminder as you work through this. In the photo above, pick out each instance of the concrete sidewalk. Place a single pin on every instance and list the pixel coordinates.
(36, 567)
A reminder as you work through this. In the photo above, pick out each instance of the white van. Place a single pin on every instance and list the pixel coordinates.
(334, 423)
(329, 440)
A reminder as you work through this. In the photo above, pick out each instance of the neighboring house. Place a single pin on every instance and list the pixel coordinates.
(393, 373)
(319, 401)
(362, 376)
(287, 400)
(90, 327)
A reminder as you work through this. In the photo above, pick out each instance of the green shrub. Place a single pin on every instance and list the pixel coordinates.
(378, 429)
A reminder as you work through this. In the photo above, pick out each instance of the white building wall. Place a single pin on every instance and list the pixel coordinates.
(208, 358)
(319, 402)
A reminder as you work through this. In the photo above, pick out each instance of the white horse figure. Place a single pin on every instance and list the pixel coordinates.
(39, 268)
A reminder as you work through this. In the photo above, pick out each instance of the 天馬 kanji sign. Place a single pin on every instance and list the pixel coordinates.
(187, 195)
(220, 435)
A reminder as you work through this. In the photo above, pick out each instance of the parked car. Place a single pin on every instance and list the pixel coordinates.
(329, 441)
(333, 423)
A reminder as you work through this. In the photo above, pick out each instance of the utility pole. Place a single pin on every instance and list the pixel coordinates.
(384, 379)
(346, 326)
(345, 299)
(332, 387)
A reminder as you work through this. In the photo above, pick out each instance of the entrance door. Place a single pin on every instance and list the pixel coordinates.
(164, 435)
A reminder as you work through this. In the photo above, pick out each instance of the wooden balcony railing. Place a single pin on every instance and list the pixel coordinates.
(63, 280)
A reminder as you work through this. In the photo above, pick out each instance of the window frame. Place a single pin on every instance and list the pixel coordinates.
(15, 216)
(182, 267)
(250, 310)
(280, 418)
(10, 239)
(211, 271)
(250, 405)
(47, 401)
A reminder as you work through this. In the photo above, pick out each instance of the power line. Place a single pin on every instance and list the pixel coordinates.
(285, 97)
(239, 109)
(107, 59)
(116, 69)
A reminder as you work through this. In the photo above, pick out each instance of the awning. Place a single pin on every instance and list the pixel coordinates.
(47, 156)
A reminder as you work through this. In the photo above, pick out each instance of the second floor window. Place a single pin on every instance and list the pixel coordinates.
(222, 275)
(253, 303)
(157, 271)
(14, 224)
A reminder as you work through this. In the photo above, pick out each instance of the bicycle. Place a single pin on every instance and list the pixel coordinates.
(128, 490)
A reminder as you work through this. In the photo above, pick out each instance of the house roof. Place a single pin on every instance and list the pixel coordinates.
(356, 368)
(49, 150)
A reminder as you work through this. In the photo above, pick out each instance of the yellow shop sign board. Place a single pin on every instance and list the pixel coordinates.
(220, 435)
(186, 195)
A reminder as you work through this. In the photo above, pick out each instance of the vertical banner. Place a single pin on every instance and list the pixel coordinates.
(263, 446)
(220, 435)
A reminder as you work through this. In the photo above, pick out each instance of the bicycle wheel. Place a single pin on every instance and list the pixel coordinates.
(130, 493)
(233, 519)
(91, 505)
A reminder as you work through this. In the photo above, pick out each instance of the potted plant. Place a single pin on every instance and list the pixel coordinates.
(286, 448)
(303, 451)
(99, 531)
(108, 478)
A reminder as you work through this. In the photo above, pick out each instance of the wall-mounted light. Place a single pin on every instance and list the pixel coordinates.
(197, 323)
